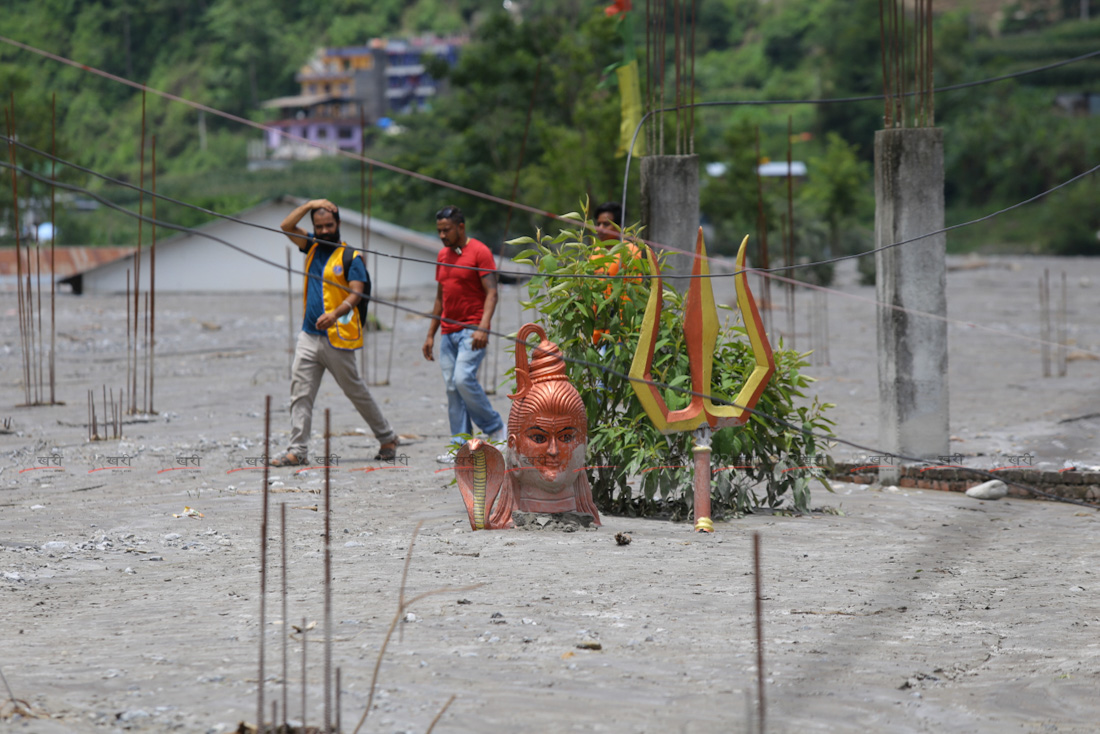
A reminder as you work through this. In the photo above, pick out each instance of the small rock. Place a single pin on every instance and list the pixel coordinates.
(589, 645)
(132, 714)
(172, 536)
(12, 576)
(623, 538)
(410, 617)
(129, 570)
(353, 544)
(994, 489)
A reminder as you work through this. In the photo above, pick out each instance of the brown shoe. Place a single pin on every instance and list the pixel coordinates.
(387, 451)
(287, 459)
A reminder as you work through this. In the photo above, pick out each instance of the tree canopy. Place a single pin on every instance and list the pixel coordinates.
(1003, 141)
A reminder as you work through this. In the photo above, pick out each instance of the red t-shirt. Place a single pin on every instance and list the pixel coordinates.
(463, 293)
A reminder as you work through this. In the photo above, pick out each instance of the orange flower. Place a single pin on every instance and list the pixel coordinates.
(619, 6)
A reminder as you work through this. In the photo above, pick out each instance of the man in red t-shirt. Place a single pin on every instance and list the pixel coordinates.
(465, 298)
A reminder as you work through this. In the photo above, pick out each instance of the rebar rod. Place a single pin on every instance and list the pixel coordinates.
(137, 257)
(762, 237)
(286, 620)
(129, 349)
(789, 254)
(363, 230)
(144, 372)
(495, 345)
(263, 563)
(339, 725)
(290, 331)
(883, 51)
(393, 326)
(366, 246)
(1044, 320)
(10, 122)
(691, 101)
(39, 386)
(1061, 330)
(675, 106)
(149, 357)
(53, 241)
(328, 576)
(305, 635)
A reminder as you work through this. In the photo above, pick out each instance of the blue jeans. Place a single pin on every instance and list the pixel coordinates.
(467, 402)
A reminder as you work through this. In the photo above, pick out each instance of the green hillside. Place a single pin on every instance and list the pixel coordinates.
(1004, 142)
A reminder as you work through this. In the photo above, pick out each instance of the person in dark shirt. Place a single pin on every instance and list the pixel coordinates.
(331, 331)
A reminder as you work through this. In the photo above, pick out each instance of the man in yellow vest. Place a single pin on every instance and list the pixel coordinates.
(331, 331)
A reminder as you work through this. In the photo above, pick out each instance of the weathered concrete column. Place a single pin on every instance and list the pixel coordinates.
(912, 349)
(670, 208)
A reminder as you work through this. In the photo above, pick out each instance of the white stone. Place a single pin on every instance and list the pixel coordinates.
(994, 489)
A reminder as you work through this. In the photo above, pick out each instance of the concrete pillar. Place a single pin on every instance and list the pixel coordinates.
(912, 350)
(670, 207)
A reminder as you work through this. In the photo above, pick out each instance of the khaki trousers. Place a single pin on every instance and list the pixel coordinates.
(312, 356)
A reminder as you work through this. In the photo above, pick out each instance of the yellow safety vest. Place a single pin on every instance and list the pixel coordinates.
(335, 289)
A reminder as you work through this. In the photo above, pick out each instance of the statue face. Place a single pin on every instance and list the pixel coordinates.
(548, 451)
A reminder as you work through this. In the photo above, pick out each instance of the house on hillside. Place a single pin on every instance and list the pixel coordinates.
(251, 255)
(383, 78)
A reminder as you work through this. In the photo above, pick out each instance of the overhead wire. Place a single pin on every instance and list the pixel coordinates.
(534, 210)
(717, 400)
(769, 273)
(836, 100)
(484, 195)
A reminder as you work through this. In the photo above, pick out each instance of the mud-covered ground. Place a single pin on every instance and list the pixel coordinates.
(891, 611)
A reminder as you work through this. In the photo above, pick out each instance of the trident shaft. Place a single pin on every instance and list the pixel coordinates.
(701, 416)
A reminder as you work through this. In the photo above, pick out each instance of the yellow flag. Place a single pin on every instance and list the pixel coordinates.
(631, 108)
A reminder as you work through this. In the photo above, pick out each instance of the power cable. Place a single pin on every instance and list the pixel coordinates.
(573, 360)
(834, 100)
(769, 273)
(483, 195)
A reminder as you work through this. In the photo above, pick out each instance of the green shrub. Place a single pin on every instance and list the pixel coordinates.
(622, 442)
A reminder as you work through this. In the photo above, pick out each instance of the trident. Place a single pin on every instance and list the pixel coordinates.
(702, 416)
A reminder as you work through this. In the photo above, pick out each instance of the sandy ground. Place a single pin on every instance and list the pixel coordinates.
(904, 611)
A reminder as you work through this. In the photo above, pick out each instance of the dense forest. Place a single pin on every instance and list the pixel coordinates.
(1004, 142)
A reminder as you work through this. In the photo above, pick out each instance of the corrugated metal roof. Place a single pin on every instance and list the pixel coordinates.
(68, 259)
